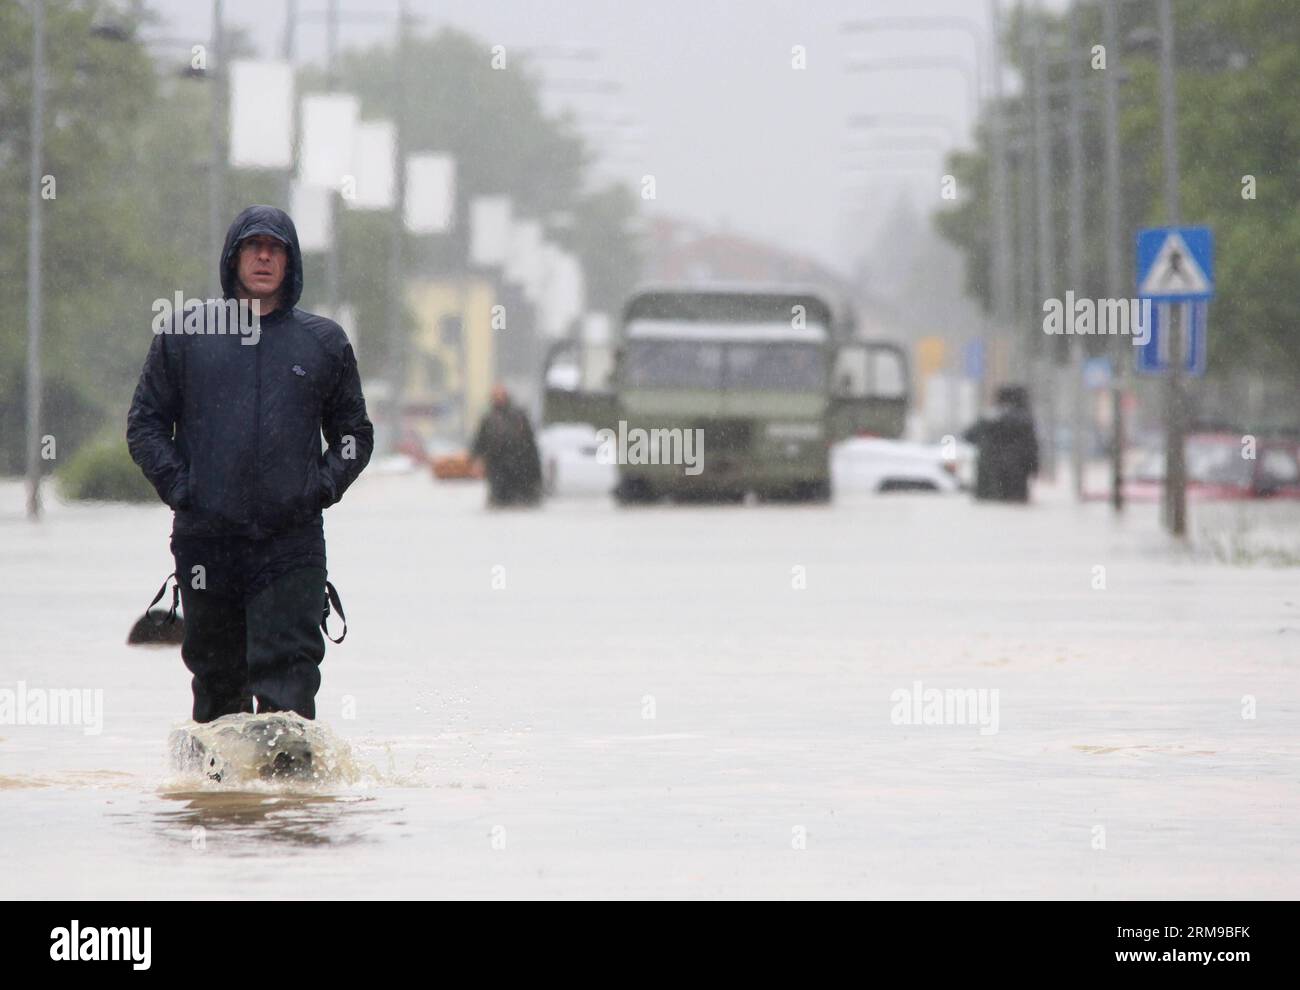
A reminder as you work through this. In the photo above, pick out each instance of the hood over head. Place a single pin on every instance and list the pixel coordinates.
(272, 221)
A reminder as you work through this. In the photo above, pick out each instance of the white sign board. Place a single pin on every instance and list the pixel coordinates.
(430, 193)
(329, 123)
(310, 208)
(596, 329)
(261, 114)
(373, 152)
(489, 229)
(539, 279)
(563, 294)
(524, 258)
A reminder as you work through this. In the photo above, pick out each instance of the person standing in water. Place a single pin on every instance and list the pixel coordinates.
(230, 437)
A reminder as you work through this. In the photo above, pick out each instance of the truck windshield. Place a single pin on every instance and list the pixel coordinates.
(776, 366)
(785, 367)
(672, 364)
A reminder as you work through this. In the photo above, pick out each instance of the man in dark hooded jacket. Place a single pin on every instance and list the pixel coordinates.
(230, 437)
(1007, 448)
(506, 446)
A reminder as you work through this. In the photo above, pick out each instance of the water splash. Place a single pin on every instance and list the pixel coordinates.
(275, 748)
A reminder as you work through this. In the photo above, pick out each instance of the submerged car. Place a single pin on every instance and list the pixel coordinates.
(570, 461)
(877, 464)
(1224, 467)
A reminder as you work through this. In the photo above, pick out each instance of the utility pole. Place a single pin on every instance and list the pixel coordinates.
(1030, 341)
(35, 235)
(397, 282)
(215, 73)
(332, 292)
(1114, 247)
(1175, 468)
(1046, 228)
(290, 38)
(1002, 290)
(1075, 244)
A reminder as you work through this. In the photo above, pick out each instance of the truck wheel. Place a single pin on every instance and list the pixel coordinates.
(634, 491)
(817, 492)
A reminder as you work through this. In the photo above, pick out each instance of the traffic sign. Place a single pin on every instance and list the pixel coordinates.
(972, 359)
(1096, 373)
(1175, 264)
(1153, 356)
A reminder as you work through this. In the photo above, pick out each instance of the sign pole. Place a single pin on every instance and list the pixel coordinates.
(1175, 478)
(1114, 248)
(1175, 461)
(35, 292)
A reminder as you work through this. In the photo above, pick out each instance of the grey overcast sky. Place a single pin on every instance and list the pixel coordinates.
(732, 133)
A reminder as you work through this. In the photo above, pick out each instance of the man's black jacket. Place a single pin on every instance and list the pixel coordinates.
(245, 457)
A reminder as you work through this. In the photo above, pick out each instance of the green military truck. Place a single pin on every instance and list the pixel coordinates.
(716, 392)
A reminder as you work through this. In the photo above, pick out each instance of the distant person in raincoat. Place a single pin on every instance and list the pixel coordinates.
(505, 445)
(1007, 446)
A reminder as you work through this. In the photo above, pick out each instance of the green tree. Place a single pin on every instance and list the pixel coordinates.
(127, 142)
(1237, 76)
(96, 252)
(492, 122)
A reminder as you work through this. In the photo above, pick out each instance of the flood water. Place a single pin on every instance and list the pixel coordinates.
(682, 701)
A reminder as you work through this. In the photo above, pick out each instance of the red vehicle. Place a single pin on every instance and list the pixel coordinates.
(1219, 469)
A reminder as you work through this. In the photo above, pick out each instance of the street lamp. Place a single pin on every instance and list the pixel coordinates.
(927, 142)
(907, 64)
(969, 27)
(986, 58)
(906, 120)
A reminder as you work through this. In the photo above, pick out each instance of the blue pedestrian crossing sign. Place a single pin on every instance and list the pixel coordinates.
(1153, 356)
(1175, 264)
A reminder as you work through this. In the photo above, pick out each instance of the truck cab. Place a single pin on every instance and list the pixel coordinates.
(762, 381)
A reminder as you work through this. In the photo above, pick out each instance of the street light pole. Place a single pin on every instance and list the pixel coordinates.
(287, 49)
(1001, 203)
(917, 121)
(35, 233)
(332, 291)
(1046, 226)
(1002, 290)
(397, 283)
(905, 63)
(217, 161)
(906, 142)
(928, 23)
(1175, 468)
(1075, 245)
(1114, 248)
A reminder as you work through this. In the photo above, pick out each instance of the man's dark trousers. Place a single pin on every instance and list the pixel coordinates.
(252, 627)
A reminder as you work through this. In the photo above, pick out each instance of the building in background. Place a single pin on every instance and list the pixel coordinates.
(453, 358)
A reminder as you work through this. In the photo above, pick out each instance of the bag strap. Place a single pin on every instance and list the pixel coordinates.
(176, 598)
(332, 598)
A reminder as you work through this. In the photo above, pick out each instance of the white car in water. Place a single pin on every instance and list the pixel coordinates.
(569, 464)
(875, 464)
(861, 464)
